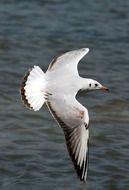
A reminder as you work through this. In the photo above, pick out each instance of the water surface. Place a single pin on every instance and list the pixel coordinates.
(33, 153)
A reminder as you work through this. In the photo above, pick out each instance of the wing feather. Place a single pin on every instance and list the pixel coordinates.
(67, 61)
(77, 140)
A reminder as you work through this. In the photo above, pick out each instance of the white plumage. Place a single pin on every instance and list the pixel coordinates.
(58, 88)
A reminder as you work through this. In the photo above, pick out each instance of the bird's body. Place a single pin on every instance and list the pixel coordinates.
(58, 88)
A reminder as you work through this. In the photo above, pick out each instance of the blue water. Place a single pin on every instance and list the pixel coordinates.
(33, 153)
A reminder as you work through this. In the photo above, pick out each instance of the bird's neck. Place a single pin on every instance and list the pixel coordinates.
(84, 84)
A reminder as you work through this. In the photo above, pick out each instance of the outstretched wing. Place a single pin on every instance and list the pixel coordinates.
(74, 120)
(67, 61)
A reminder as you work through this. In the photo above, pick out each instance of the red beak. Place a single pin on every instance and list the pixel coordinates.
(104, 88)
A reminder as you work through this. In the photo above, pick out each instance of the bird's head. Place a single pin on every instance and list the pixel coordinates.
(94, 85)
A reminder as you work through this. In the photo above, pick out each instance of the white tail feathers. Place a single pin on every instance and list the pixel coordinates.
(33, 88)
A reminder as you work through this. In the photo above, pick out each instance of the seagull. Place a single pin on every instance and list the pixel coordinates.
(58, 87)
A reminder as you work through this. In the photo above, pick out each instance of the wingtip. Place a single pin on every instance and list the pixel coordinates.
(86, 50)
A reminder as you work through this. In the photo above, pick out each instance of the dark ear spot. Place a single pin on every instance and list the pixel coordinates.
(90, 85)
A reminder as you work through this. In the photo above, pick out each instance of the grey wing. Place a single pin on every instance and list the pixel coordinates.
(77, 137)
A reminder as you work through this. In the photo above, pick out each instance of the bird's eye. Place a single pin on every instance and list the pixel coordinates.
(96, 84)
(90, 85)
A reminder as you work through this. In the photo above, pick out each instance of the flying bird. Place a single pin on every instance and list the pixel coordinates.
(58, 87)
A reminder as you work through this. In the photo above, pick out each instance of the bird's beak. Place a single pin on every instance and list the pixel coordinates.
(104, 88)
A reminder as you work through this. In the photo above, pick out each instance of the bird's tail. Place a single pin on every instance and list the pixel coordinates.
(33, 88)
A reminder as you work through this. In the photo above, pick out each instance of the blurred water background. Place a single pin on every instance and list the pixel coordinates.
(33, 153)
